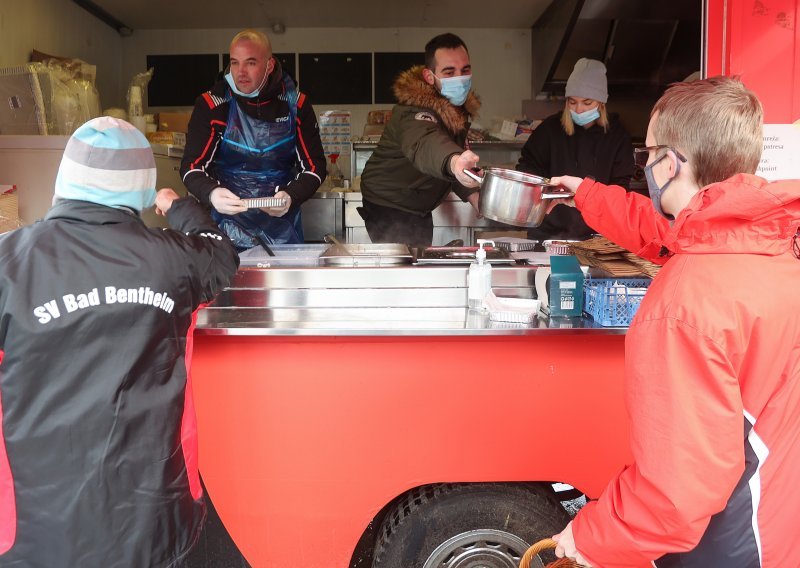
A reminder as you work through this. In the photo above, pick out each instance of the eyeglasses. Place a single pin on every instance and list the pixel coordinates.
(641, 155)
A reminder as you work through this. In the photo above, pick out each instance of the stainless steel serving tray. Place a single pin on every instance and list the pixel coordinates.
(461, 255)
(379, 254)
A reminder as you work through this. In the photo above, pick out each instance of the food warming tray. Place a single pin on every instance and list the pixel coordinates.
(376, 254)
(514, 244)
(461, 255)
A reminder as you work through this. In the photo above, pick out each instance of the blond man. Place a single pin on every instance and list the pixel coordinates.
(712, 360)
(254, 135)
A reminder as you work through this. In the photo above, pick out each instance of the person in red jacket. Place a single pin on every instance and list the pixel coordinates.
(712, 358)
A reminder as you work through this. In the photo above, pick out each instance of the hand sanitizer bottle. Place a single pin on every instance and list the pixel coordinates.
(479, 278)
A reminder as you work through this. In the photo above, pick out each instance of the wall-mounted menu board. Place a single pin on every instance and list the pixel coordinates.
(336, 78)
(178, 79)
(387, 67)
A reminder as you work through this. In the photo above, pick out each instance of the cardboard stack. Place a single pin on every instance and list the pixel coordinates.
(602, 253)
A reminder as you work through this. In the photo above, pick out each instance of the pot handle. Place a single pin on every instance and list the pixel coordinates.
(558, 195)
(473, 175)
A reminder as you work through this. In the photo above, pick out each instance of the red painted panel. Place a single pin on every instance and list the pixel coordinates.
(716, 34)
(760, 43)
(304, 440)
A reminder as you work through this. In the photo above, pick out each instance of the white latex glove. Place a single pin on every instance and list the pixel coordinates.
(567, 182)
(164, 199)
(226, 202)
(466, 160)
(279, 211)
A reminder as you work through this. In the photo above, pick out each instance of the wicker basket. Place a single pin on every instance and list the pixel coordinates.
(541, 546)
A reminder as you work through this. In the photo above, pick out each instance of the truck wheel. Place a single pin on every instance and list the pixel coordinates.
(466, 525)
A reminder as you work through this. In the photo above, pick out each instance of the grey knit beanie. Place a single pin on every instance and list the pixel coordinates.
(588, 80)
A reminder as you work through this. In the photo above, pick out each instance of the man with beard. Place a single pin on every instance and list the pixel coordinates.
(423, 151)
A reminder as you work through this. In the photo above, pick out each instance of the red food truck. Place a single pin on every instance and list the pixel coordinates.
(344, 445)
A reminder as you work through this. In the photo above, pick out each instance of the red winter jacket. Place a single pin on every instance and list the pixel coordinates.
(712, 382)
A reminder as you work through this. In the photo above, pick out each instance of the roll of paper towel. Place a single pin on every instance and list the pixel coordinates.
(140, 123)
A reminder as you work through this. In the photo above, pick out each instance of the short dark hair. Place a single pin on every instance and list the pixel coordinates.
(443, 41)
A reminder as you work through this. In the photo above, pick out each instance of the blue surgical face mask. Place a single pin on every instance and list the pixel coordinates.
(585, 117)
(456, 89)
(656, 193)
(254, 94)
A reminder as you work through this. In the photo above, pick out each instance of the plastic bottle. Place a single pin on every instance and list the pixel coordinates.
(479, 278)
(334, 173)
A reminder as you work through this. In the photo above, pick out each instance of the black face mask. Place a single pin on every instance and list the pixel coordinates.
(656, 192)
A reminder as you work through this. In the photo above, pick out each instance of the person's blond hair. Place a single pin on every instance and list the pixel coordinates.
(256, 37)
(569, 125)
(716, 122)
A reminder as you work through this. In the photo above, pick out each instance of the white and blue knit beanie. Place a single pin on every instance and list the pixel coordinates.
(109, 162)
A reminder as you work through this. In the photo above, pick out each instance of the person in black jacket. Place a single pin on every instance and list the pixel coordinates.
(98, 456)
(582, 140)
(254, 135)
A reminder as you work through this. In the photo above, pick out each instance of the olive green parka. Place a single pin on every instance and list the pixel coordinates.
(409, 170)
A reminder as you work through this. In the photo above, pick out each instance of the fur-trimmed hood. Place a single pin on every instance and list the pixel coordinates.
(411, 89)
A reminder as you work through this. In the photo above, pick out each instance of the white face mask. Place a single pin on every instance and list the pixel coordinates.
(456, 89)
(254, 94)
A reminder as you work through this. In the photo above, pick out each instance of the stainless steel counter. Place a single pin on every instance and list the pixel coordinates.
(387, 301)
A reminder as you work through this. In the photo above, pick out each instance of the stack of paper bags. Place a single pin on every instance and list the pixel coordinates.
(602, 253)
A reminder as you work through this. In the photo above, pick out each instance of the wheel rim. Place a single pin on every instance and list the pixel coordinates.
(483, 548)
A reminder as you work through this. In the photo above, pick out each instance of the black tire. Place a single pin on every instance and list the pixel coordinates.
(460, 525)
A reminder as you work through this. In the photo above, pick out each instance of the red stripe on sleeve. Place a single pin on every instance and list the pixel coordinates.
(208, 144)
(305, 150)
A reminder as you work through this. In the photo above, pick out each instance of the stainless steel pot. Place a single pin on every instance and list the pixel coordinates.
(513, 197)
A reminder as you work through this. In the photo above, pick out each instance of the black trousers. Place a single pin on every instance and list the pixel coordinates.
(389, 225)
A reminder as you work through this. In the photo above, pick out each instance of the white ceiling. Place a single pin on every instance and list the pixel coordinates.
(210, 14)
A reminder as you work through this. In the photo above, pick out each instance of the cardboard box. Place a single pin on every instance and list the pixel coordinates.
(566, 286)
(174, 121)
(169, 138)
